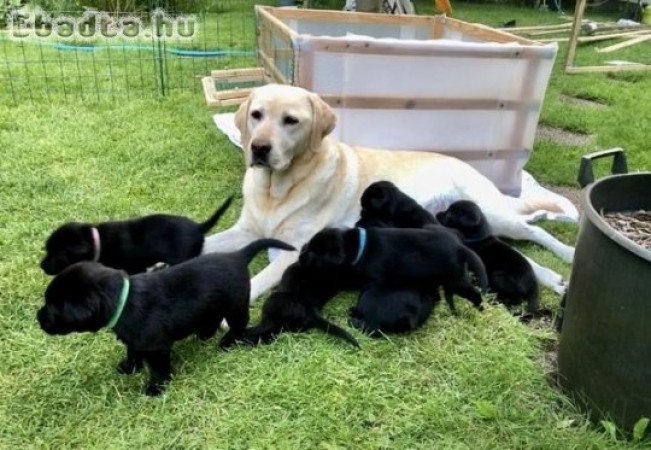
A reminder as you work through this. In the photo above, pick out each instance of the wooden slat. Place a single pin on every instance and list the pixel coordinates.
(605, 37)
(486, 33)
(576, 29)
(232, 93)
(268, 63)
(438, 28)
(269, 17)
(606, 69)
(452, 104)
(228, 74)
(233, 101)
(628, 43)
(601, 37)
(537, 27)
(385, 48)
(209, 91)
(318, 15)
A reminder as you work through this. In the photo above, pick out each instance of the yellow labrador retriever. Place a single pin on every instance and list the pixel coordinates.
(298, 181)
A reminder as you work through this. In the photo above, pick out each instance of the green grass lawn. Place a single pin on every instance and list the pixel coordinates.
(477, 381)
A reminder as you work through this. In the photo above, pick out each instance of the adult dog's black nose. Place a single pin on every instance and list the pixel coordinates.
(260, 151)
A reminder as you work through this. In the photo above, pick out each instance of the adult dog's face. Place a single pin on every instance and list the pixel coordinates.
(68, 244)
(279, 123)
(76, 299)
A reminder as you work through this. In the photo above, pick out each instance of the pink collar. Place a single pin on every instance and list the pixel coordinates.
(96, 244)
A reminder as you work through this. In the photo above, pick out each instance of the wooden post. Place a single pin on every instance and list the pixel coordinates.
(574, 36)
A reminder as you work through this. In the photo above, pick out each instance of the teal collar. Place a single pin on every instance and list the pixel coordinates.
(121, 302)
(362, 245)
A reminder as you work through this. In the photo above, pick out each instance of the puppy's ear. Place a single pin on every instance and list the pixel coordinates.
(323, 121)
(241, 121)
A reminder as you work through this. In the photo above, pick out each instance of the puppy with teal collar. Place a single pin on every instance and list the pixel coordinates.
(400, 258)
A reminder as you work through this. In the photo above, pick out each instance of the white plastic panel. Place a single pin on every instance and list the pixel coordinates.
(412, 70)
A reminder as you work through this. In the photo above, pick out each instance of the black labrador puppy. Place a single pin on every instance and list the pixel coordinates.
(399, 258)
(148, 312)
(131, 245)
(295, 305)
(510, 275)
(384, 205)
(381, 310)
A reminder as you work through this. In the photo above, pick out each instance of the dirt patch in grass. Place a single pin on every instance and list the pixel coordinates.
(562, 136)
(583, 102)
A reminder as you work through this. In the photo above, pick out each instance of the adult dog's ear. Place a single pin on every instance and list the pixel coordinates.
(323, 121)
(241, 121)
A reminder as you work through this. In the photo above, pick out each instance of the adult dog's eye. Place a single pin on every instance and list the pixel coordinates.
(290, 120)
(257, 115)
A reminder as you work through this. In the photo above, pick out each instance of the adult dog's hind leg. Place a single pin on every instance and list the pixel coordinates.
(515, 227)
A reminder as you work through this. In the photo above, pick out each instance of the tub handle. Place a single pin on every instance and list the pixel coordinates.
(586, 172)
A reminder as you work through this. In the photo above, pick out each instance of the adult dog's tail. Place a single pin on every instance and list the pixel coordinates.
(212, 221)
(476, 266)
(330, 328)
(255, 247)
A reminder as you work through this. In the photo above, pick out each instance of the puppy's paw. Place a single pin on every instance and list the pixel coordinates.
(155, 389)
(227, 342)
(129, 367)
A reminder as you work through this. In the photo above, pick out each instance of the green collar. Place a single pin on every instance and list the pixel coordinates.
(123, 301)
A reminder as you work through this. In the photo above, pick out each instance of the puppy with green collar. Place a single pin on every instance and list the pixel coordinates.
(148, 312)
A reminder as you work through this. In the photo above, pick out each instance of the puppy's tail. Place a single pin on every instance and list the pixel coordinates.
(332, 329)
(212, 221)
(255, 247)
(476, 266)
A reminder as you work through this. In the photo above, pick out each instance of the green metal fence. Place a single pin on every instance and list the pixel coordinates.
(146, 56)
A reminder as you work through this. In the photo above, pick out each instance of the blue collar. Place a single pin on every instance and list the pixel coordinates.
(362, 245)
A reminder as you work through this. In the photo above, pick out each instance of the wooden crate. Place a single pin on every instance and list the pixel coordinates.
(232, 86)
(427, 83)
